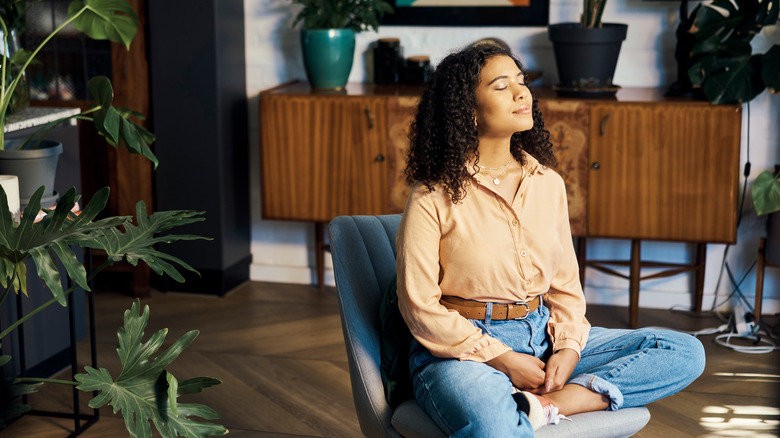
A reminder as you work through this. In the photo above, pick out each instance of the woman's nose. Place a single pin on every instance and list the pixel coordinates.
(519, 92)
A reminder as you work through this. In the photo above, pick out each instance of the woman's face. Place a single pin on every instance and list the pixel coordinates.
(504, 103)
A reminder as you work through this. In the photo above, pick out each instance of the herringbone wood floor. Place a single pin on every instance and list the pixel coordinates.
(279, 351)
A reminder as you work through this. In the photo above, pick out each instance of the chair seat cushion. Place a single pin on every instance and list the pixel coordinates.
(412, 422)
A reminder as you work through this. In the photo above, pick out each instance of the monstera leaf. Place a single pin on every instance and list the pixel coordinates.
(724, 64)
(113, 20)
(766, 193)
(144, 391)
(115, 124)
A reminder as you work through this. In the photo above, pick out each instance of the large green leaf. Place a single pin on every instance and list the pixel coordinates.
(141, 391)
(734, 80)
(137, 241)
(50, 237)
(766, 193)
(115, 123)
(722, 60)
(113, 20)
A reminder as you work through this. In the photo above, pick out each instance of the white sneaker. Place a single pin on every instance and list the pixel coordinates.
(541, 411)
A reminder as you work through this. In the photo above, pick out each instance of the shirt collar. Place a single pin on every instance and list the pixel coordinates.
(532, 165)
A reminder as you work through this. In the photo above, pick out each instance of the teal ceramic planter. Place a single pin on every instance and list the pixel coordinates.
(327, 56)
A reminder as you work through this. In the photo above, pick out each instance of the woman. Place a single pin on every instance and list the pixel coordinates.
(487, 275)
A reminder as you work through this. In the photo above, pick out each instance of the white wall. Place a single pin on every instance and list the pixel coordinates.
(284, 251)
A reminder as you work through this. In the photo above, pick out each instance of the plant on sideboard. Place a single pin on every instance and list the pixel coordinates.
(328, 29)
(591, 13)
(358, 15)
(586, 52)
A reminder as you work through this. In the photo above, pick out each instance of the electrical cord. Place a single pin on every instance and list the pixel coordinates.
(725, 340)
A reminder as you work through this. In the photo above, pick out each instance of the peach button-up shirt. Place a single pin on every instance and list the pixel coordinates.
(485, 249)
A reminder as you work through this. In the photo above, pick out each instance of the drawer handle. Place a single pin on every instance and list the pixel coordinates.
(604, 125)
(370, 117)
(595, 165)
(379, 158)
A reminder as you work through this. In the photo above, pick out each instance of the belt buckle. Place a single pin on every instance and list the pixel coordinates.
(527, 310)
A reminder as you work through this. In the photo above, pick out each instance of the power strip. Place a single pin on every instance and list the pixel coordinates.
(743, 320)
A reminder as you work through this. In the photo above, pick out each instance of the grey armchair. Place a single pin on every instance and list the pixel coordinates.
(363, 250)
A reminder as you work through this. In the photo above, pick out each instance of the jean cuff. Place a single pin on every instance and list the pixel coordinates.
(601, 386)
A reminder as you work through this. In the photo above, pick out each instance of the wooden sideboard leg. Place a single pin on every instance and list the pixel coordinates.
(582, 254)
(760, 264)
(319, 249)
(701, 263)
(633, 283)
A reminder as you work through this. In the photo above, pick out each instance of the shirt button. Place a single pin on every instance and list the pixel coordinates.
(523, 253)
(514, 222)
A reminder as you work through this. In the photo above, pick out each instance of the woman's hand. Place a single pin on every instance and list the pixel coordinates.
(558, 370)
(525, 371)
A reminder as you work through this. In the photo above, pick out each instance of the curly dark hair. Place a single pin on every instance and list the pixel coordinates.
(443, 136)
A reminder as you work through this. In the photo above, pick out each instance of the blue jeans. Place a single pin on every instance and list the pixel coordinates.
(631, 367)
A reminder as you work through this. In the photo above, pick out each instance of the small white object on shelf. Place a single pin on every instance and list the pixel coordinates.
(10, 185)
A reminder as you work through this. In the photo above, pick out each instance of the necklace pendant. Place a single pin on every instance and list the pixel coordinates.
(496, 181)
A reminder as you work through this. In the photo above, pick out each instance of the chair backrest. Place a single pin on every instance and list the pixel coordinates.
(363, 250)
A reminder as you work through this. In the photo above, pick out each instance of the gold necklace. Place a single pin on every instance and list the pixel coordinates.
(502, 170)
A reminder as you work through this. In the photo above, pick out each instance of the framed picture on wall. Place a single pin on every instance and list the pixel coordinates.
(468, 13)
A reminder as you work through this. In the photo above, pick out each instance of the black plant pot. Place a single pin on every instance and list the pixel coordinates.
(586, 58)
(34, 167)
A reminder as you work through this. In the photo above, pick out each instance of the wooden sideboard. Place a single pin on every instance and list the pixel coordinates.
(637, 165)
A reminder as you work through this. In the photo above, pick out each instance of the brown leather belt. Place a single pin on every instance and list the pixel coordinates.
(476, 309)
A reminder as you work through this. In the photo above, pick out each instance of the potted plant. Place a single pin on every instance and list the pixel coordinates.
(723, 63)
(143, 390)
(586, 53)
(98, 19)
(46, 239)
(328, 29)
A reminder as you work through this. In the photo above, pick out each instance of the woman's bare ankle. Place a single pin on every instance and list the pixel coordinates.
(575, 399)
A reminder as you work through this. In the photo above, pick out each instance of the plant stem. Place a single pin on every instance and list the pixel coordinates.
(5, 94)
(42, 380)
(52, 125)
(24, 319)
(8, 289)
